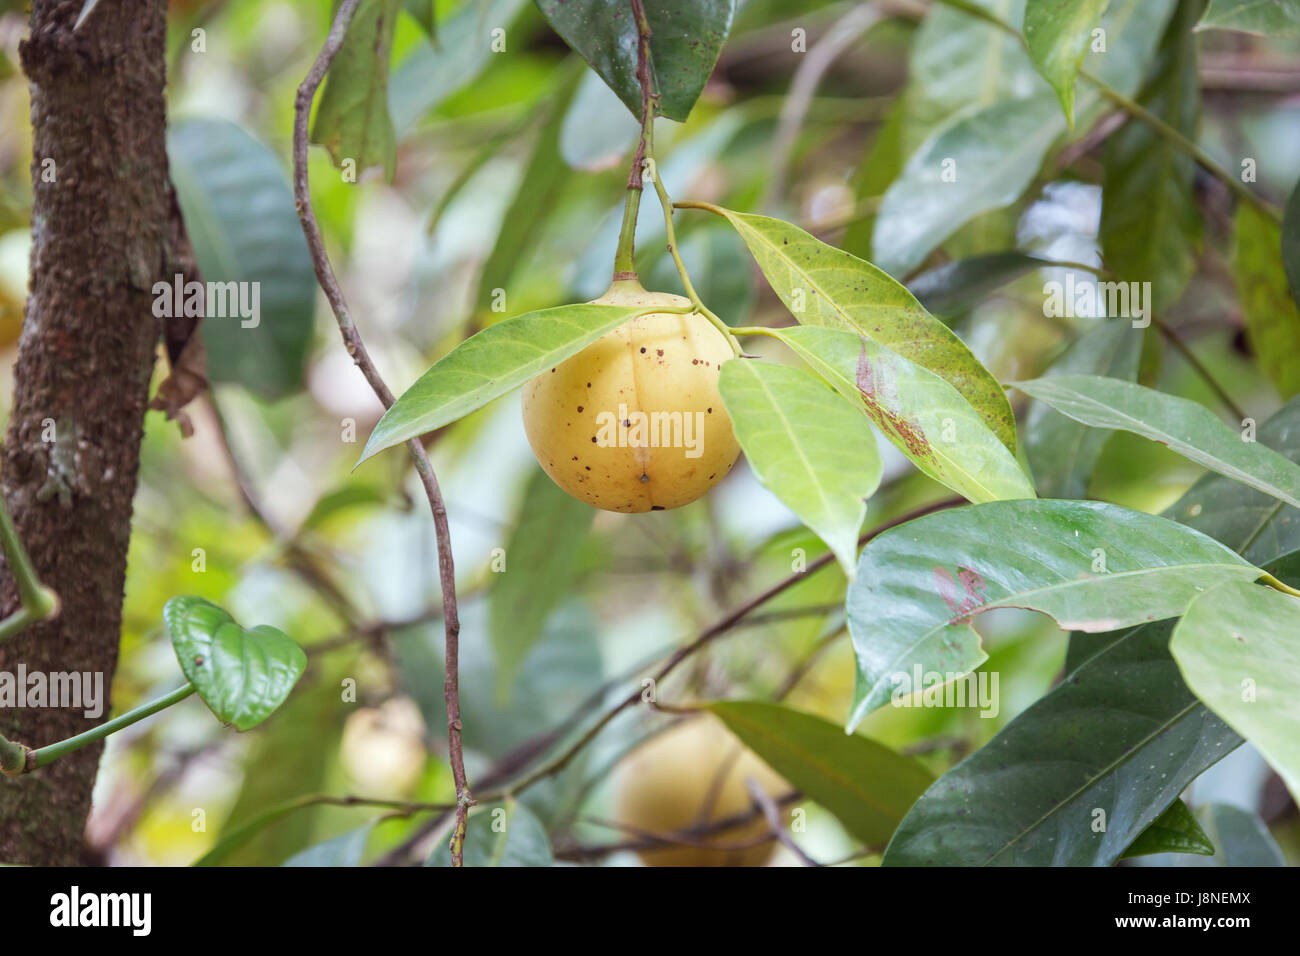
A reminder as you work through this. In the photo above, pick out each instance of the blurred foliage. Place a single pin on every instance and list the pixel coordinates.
(508, 171)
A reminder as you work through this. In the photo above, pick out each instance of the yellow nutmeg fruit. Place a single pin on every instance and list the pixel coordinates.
(634, 422)
(689, 776)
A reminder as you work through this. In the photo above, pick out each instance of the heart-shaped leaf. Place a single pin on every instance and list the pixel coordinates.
(242, 674)
(1092, 566)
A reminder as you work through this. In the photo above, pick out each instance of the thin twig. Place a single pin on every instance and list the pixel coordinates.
(356, 348)
(1198, 366)
(773, 816)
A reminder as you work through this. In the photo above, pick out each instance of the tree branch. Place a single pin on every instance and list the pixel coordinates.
(356, 348)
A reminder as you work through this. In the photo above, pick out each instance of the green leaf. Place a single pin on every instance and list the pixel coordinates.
(243, 675)
(240, 216)
(352, 120)
(345, 850)
(429, 75)
(1057, 33)
(1115, 742)
(491, 363)
(1271, 18)
(985, 158)
(1267, 303)
(536, 198)
(1150, 221)
(1291, 244)
(1236, 647)
(807, 445)
(1175, 831)
(500, 834)
(1183, 426)
(825, 286)
(922, 415)
(540, 571)
(960, 62)
(426, 15)
(1122, 733)
(867, 786)
(1091, 566)
(1241, 837)
(954, 287)
(1061, 451)
(686, 37)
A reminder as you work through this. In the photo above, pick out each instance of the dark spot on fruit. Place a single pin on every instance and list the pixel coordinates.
(552, 371)
(579, 408)
(656, 507)
(593, 439)
(588, 384)
(643, 350)
(660, 351)
(589, 467)
(644, 477)
(710, 411)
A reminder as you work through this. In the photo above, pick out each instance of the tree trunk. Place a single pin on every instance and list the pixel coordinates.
(100, 228)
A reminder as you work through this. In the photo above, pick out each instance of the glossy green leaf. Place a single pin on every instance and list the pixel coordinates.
(240, 216)
(1121, 733)
(686, 37)
(1236, 646)
(825, 286)
(955, 287)
(489, 364)
(1091, 566)
(430, 75)
(243, 675)
(1267, 303)
(500, 834)
(1186, 427)
(926, 418)
(1057, 34)
(541, 568)
(1115, 742)
(984, 159)
(539, 191)
(807, 445)
(1175, 831)
(344, 850)
(352, 120)
(1061, 451)
(1241, 837)
(1150, 220)
(1270, 18)
(867, 786)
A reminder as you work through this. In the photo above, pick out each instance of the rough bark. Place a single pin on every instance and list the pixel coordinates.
(101, 239)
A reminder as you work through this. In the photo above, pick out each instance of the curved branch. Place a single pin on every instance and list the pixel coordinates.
(357, 349)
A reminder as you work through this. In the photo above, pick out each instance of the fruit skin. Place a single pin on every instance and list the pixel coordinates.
(659, 362)
(667, 784)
